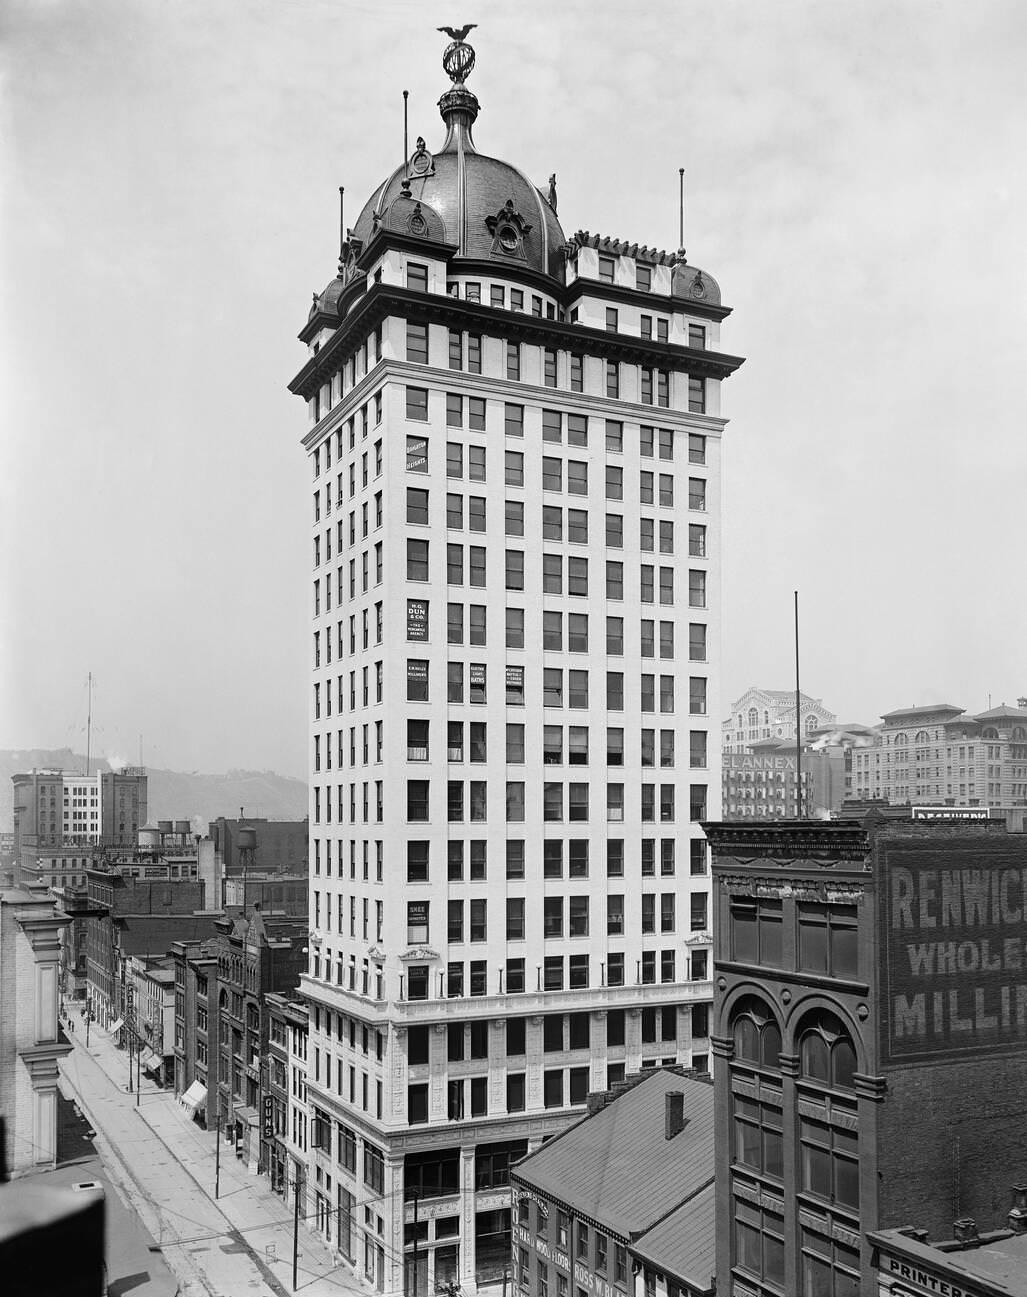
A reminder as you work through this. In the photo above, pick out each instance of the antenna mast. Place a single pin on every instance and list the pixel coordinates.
(798, 732)
(89, 723)
(406, 151)
(681, 208)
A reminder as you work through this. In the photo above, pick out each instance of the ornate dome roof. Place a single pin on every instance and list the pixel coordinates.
(487, 208)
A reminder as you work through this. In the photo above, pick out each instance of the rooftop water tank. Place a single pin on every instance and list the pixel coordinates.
(246, 839)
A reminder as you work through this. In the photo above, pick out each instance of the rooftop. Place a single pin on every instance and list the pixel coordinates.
(931, 709)
(617, 1168)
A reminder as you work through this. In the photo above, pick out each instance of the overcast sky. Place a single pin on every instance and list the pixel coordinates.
(856, 182)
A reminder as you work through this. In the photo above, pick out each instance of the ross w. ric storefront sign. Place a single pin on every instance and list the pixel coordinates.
(954, 937)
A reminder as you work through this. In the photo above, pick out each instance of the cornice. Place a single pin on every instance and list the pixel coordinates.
(498, 322)
(653, 302)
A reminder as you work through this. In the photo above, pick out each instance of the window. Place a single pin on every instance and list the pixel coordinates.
(417, 740)
(576, 368)
(417, 277)
(513, 420)
(417, 455)
(474, 355)
(697, 695)
(697, 493)
(417, 680)
(514, 518)
(552, 574)
(697, 642)
(552, 473)
(514, 461)
(827, 939)
(549, 366)
(417, 560)
(612, 379)
(417, 862)
(577, 477)
(417, 800)
(417, 506)
(513, 362)
(615, 691)
(607, 265)
(552, 425)
(611, 319)
(417, 403)
(697, 337)
(666, 491)
(614, 580)
(697, 395)
(515, 634)
(577, 573)
(515, 569)
(696, 589)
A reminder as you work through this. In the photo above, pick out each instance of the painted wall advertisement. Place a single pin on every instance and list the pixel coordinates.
(954, 923)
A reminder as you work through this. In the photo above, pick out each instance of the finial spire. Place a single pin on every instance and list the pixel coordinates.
(459, 106)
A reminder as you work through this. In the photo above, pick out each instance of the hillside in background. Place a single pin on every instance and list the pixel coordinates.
(173, 795)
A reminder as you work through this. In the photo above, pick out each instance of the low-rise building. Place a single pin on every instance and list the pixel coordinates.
(970, 1264)
(255, 954)
(621, 1204)
(286, 1016)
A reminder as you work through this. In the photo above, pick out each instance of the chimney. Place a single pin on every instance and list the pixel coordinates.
(964, 1230)
(673, 1114)
(1018, 1211)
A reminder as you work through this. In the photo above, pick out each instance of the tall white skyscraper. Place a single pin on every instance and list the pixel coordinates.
(515, 442)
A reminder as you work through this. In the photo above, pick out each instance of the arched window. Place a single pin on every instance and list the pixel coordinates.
(811, 724)
(922, 737)
(1019, 733)
(756, 1120)
(826, 1053)
(754, 718)
(990, 733)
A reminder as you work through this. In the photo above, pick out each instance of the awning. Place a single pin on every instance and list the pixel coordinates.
(153, 1064)
(116, 1026)
(194, 1096)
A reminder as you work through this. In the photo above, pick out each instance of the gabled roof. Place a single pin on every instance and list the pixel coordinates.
(616, 1167)
(684, 1244)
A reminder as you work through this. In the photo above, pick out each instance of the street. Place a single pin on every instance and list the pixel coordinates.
(240, 1244)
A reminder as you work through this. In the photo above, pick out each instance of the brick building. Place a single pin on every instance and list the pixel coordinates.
(255, 954)
(279, 845)
(621, 1204)
(196, 1025)
(870, 1016)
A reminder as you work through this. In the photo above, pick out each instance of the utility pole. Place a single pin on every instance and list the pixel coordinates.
(295, 1224)
(89, 1019)
(139, 1070)
(217, 1158)
(798, 728)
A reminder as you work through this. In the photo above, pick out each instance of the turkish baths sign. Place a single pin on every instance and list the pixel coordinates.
(954, 936)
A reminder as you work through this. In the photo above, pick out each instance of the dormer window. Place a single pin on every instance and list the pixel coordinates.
(606, 268)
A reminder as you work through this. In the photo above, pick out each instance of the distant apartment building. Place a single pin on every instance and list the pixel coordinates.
(760, 760)
(938, 755)
(60, 818)
(765, 714)
(759, 782)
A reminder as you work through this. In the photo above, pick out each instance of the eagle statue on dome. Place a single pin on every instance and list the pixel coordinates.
(458, 57)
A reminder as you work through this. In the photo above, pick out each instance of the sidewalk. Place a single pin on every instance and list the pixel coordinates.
(261, 1221)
